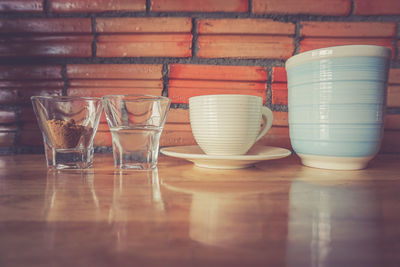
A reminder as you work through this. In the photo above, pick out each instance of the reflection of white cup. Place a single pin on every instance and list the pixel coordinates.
(228, 124)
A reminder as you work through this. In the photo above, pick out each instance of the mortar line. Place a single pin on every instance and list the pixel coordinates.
(148, 6)
(165, 79)
(64, 77)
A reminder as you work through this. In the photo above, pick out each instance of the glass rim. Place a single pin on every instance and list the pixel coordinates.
(60, 97)
(136, 97)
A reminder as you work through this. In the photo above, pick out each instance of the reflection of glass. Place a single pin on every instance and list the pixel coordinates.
(71, 193)
(136, 196)
(337, 224)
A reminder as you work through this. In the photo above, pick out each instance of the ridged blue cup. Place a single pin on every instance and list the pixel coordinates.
(336, 104)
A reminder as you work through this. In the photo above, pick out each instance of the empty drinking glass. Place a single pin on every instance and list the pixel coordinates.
(68, 125)
(136, 123)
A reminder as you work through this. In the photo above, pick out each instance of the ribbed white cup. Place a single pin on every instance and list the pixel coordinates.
(228, 124)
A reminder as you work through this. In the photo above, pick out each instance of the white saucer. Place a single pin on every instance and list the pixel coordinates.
(196, 155)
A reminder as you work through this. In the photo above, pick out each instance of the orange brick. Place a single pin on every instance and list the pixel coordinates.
(145, 45)
(144, 25)
(64, 25)
(394, 76)
(280, 118)
(62, 6)
(373, 7)
(191, 80)
(181, 91)
(178, 115)
(279, 75)
(114, 71)
(393, 97)
(276, 136)
(177, 134)
(279, 93)
(391, 142)
(248, 26)
(46, 46)
(196, 6)
(98, 92)
(215, 72)
(348, 29)
(7, 6)
(314, 43)
(242, 46)
(102, 138)
(392, 121)
(321, 7)
(181, 116)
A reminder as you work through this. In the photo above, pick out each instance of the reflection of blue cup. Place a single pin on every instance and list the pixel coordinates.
(336, 104)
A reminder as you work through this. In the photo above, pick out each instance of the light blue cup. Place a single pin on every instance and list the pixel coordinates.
(337, 98)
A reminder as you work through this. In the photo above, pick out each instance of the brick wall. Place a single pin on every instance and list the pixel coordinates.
(176, 48)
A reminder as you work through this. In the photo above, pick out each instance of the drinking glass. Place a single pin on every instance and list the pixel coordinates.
(68, 125)
(136, 123)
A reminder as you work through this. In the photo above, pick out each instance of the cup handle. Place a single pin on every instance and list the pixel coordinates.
(268, 118)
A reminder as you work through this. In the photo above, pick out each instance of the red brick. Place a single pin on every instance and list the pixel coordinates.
(64, 25)
(215, 72)
(13, 92)
(7, 136)
(394, 76)
(145, 45)
(242, 46)
(30, 72)
(390, 142)
(177, 135)
(62, 6)
(7, 6)
(144, 25)
(279, 93)
(196, 6)
(7, 116)
(248, 26)
(30, 137)
(191, 80)
(321, 7)
(314, 43)
(19, 83)
(279, 75)
(393, 96)
(373, 7)
(392, 121)
(348, 29)
(115, 71)
(46, 46)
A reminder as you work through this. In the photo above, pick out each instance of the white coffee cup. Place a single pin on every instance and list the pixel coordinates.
(228, 124)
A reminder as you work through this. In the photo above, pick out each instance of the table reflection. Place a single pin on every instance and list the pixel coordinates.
(236, 223)
(72, 193)
(334, 223)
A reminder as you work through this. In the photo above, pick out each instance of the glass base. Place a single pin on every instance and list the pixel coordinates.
(60, 159)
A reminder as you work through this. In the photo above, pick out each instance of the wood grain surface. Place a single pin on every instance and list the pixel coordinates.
(278, 213)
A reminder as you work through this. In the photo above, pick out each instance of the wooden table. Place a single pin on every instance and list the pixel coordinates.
(276, 214)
